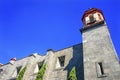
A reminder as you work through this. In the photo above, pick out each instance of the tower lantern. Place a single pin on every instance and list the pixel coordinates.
(92, 16)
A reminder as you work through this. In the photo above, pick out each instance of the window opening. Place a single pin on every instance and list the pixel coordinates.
(91, 17)
(101, 68)
(18, 69)
(61, 61)
(1, 70)
(99, 16)
(40, 65)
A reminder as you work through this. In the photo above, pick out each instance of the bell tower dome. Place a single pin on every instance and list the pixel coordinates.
(92, 16)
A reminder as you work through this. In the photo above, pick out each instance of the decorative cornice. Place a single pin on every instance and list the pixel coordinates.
(91, 26)
(92, 10)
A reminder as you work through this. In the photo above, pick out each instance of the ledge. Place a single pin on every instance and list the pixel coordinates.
(91, 26)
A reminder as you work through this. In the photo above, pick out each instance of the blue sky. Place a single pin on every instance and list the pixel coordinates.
(30, 26)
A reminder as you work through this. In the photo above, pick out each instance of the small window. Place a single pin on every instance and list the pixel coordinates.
(91, 17)
(100, 69)
(1, 70)
(18, 69)
(99, 16)
(38, 67)
(60, 62)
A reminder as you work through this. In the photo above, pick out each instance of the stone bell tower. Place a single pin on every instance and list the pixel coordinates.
(100, 59)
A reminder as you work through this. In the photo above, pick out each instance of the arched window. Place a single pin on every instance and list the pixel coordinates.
(99, 16)
(91, 18)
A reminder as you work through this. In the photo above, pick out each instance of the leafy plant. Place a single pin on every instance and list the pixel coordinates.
(21, 74)
(72, 74)
(41, 72)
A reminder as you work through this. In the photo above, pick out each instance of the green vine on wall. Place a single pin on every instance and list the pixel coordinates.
(72, 74)
(41, 72)
(21, 74)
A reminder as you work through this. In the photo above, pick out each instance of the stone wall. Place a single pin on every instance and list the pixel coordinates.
(73, 57)
(100, 59)
(9, 71)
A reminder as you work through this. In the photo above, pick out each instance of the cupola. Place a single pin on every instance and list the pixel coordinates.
(92, 16)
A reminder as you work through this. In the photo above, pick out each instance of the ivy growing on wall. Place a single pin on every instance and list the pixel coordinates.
(72, 74)
(21, 74)
(41, 72)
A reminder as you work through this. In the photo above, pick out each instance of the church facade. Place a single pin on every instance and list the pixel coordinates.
(93, 59)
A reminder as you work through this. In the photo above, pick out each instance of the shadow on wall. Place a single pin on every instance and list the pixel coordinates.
(77, 62)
